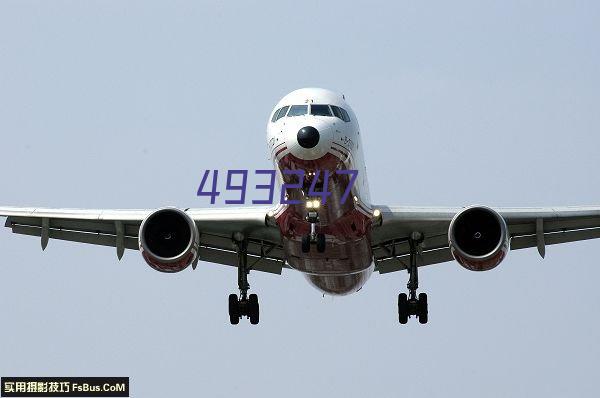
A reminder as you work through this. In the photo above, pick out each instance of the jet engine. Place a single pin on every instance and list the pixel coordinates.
(478, 238)
(169, 240)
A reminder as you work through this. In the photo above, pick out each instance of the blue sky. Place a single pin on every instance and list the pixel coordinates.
(124, 104)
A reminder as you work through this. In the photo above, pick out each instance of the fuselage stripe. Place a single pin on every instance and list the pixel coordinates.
(340, 145)
(346, 155)
(279, 151)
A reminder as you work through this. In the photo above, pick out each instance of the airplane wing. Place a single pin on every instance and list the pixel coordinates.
(120, 229)
(527, 227)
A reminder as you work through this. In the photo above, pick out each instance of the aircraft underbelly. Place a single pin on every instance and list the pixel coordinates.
(342, 269)
(346, 263)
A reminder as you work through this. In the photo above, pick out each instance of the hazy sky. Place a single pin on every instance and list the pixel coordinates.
(124, 104)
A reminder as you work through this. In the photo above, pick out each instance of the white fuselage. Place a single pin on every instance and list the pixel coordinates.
(317, 130)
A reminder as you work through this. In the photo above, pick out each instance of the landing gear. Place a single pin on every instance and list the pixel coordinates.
(234, 309)
(321, 243)
(245, 305)
(305, 243)
(422, 312)
(411, 304)
(319, 240)
(253, 310)
(313, 237)
(402, 308)
(407, 307)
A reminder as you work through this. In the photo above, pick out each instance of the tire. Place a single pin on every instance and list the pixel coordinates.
(234, 309)
(253, 309)
(422, 308)
(402, 308)
(305, 243)
(321, 243)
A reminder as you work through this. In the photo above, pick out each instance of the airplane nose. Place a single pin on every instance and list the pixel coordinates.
(308, 137)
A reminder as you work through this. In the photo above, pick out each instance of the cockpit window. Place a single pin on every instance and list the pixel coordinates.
(340, 113)
(320, 110)
(274, 118)
(279, 113)
(315, 110)
(345, 116)
(282, 112)
(298, 110)
(337, 112)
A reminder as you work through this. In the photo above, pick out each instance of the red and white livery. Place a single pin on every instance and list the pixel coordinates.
(337, 244)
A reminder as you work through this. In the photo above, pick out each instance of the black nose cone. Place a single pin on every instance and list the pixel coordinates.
(308, 137)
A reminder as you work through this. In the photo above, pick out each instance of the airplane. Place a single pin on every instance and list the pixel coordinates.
(336, 244)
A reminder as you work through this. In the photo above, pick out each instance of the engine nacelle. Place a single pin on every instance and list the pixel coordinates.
(478, 238)
(169, 240)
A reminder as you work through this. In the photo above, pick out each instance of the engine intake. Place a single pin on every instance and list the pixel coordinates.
(169, 240)
(478, 238)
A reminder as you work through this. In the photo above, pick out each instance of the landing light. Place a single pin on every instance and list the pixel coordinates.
(376, 213)
(313, 204)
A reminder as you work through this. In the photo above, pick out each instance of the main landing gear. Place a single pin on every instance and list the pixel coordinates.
(245, 305)
(313, 237)
(411, 304)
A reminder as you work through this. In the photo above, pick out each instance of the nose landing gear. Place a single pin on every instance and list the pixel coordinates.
(313, 237)
(411, 304)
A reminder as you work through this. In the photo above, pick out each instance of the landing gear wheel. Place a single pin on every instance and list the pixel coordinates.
(305, 243)
(234, 309)
(403, 308)
(422, 308)
(321, 243)
(253, 309)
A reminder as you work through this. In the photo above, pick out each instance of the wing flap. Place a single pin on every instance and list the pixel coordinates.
(554, 238)
(75, 236)
(255, 247)
(229, 257)
(89, 226)
(401, 247)
(399, 263)
(528, 226)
